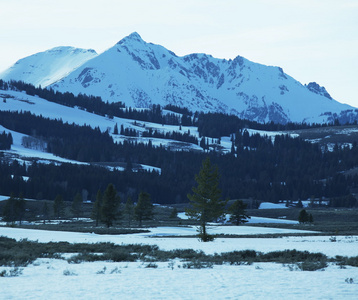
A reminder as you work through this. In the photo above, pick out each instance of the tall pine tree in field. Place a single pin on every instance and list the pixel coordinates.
(206, 202)
(59, 206)
(144, 208)
(110, 206)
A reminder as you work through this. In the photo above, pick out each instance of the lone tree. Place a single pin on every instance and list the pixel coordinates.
(59, 207)
(45, 212)
(110, 205)
(206, 203)
(144, 208)
(76, 207)
(14, 210)
(96, 210)
(305, 217)
(238, 213)
(129, 210)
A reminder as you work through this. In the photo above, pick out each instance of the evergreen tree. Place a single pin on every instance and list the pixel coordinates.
(59, 207)
(129, 210)
(115, 130)
(14, 209)
(76, 207)
(20, 208)
(206, 203)
(9, 214)
(144, 208)
(238, 213)
(174, 213)
(303, 217)
(96, 210)
(110, 206)
(45, 212)
(310, 218)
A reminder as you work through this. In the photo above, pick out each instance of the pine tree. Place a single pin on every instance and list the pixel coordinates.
(76, 207)
(9, 214)
(238, 213)
(110, 205)
(115, 130)
(174, 213)
(96, 210)
(129, 210)
(303, 217)
(59, 207)
(20, 208)
(144, 208)
(206, 205)
(45, 212)
(310, 218)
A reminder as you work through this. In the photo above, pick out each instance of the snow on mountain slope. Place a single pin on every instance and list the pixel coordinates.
(141, 74)
(19, 101)
(20, 152)
(47, 67)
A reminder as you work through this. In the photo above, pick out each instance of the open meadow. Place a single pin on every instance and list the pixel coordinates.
(281, 264)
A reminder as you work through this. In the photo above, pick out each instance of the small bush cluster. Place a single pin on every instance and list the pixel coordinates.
(197, 264)
(312, 265)
(14, 272)
(349, 280)
(347, 261)
(292, 256)
(69, 273)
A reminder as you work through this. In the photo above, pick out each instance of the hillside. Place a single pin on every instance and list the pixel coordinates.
(71, 148)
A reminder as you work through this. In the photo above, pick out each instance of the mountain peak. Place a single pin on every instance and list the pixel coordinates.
(134, 36)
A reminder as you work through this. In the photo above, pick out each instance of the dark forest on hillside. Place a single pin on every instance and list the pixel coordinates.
(258, 167)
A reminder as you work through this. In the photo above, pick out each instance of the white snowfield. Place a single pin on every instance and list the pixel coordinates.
(45, 278)
(47, 67)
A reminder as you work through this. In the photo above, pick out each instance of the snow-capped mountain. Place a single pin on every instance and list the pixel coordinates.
(47, 67)
(141, 74)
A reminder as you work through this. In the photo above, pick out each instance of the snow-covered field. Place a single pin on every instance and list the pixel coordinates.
(57, 279)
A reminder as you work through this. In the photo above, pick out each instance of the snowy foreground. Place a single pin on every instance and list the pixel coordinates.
(57, 279)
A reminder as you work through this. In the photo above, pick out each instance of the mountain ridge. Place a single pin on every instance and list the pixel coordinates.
(141, 74)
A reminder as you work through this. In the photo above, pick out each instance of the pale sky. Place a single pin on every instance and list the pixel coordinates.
(312, 40)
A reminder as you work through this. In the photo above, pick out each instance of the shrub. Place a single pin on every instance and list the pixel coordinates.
(102, 271)
(197, 264)
(239, 257)
(312, 265)
(82, 257)
(69, 273)
(152, 265)
(14, 272)
(120, 255)
(292, 256)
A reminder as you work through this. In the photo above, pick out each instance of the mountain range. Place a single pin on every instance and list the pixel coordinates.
(141, 74)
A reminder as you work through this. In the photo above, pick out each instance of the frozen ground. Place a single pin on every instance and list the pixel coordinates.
(57, 279)
(45, 279)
